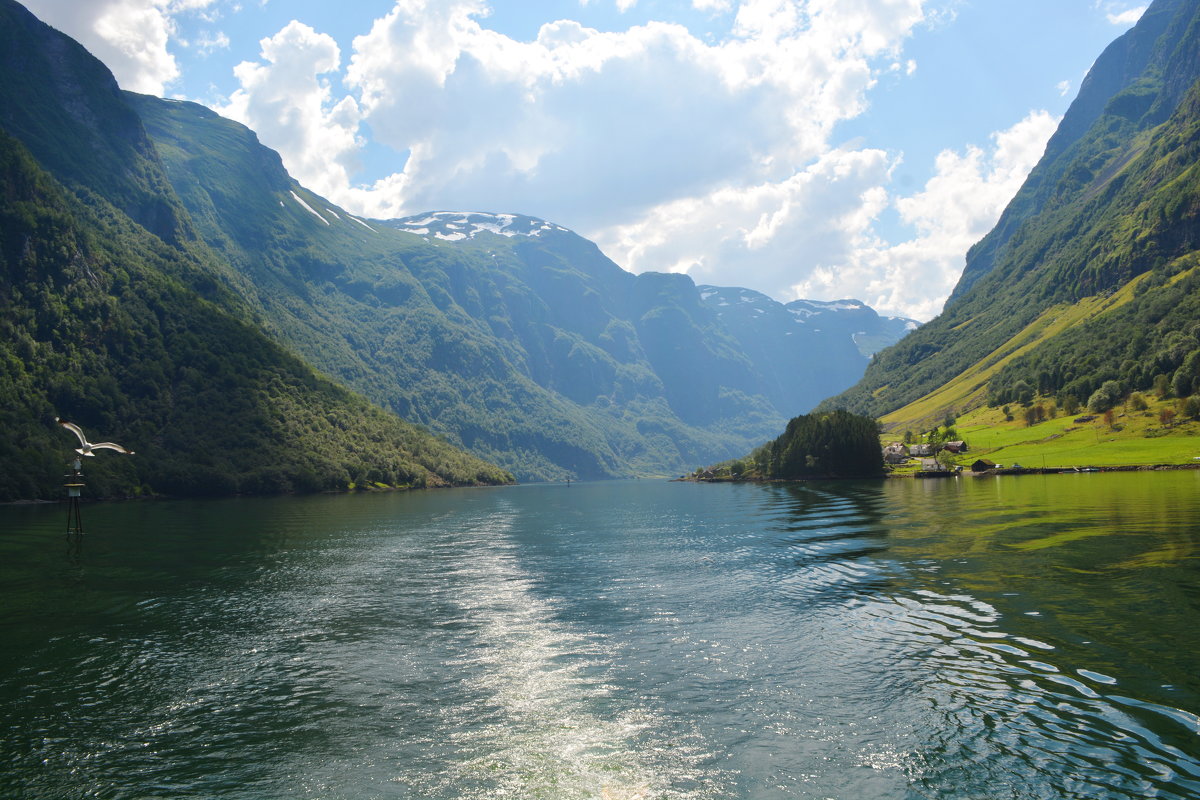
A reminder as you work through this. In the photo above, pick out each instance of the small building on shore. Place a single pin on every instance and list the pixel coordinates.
(983, 465)
(895, 453)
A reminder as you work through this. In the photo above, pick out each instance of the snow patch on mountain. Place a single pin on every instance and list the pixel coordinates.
(817, 306)
(724, 296)
(308, 208)
(455, 226)
(848, 320)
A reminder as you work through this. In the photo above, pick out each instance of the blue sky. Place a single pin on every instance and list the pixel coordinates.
(803, 148)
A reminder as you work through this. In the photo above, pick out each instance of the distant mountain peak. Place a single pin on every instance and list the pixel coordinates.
(847, 321)
(848, 304)
(722, 296)
(454, 226)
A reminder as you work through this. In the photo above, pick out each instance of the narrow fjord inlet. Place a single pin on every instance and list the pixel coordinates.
(1018, 637)
(404, 315)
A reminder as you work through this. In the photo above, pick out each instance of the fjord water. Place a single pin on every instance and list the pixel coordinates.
(1015, 637)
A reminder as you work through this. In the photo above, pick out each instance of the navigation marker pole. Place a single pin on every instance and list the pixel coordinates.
(73, 485)
(75, 477)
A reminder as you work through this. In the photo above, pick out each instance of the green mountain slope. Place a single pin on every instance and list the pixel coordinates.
(65, 106)
(1134, 85)
(1088, 277)
(97, 330)
(511, 336)
(116, 316)
(454, 335)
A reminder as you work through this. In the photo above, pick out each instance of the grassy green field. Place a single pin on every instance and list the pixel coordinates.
(969, 389)
(1134, 438)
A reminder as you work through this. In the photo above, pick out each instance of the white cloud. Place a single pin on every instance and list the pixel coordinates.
(597, 127)
(763, 236)
(1064, 88)
(290, 107)
(1126, 18)
(208, 42)
(712, 6)
(129, 36)
(955, 208)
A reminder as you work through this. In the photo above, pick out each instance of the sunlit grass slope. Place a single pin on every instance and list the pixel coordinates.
(1089, 277)
(969, 388)
(1134, 438)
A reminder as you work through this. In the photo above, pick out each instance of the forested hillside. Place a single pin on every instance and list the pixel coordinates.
(116, 316)
(96, 329)
(511, 336)
(1090, 275)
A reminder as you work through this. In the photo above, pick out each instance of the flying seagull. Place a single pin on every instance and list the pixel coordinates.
(86, 447)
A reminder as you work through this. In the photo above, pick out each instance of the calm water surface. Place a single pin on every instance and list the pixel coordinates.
(1019, 637)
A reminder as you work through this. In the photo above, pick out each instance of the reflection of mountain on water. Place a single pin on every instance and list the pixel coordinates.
(642, 638)
(985, 615)
(828, 537)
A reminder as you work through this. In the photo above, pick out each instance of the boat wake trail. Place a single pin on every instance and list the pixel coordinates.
(540, 716)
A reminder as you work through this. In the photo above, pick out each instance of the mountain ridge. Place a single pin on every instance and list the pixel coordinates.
(1119, 219)
(510, 337)
(573, 348)
(116, 316)
(1117, 70)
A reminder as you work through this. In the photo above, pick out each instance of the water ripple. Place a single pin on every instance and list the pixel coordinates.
(603, 641)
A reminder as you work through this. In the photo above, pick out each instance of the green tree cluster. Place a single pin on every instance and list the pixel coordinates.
(1107, 396)
(832, 444)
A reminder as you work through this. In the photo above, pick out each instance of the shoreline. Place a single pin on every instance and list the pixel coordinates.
(1049, 470)
(953, 473)
(240, 495)
(721, 479)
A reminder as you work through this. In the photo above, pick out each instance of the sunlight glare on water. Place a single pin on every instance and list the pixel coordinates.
(638, 640)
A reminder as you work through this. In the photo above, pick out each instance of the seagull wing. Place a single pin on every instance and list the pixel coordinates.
(73, 428)
(112, 446)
